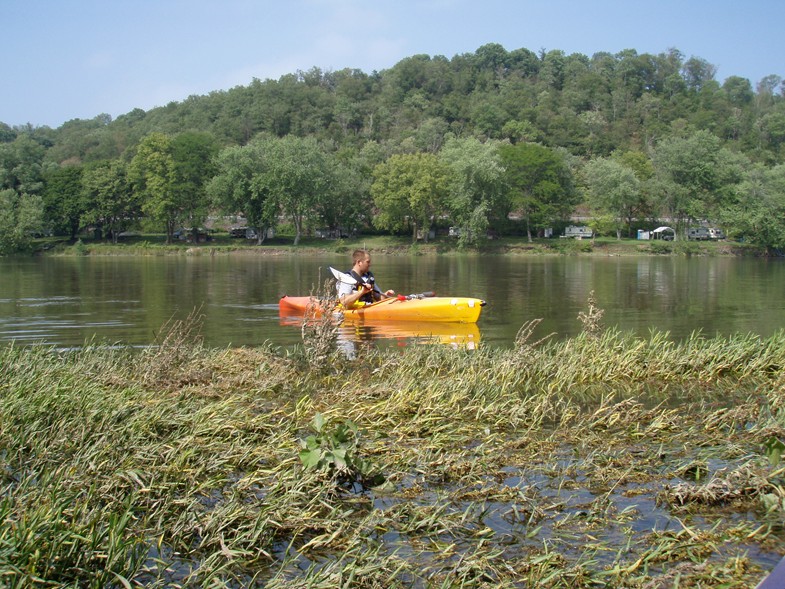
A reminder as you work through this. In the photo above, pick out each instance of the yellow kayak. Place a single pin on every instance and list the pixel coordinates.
(431, 309)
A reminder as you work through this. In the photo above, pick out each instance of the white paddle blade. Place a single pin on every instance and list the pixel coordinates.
(342, 276)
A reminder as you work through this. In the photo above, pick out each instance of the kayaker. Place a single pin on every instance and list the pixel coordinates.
(365, 291)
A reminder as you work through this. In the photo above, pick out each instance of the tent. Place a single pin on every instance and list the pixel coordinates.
(667, 233)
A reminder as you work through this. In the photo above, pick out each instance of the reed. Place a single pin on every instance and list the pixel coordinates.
(603, 460)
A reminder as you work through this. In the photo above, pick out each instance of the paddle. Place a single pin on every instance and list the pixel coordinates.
(420, 295)
(343, 277)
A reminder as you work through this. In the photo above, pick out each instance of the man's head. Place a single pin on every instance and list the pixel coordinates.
(361, 260)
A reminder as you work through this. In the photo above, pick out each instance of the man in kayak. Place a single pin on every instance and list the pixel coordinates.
(365, 291)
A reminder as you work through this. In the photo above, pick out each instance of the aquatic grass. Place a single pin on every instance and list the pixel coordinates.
(541, 465)
(320, 329)
(59, 534)
(173, 359)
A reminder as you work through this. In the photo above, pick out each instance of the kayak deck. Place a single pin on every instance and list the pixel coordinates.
(431, 309)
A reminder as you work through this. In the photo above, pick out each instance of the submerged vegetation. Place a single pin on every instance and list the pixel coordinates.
(604, 460)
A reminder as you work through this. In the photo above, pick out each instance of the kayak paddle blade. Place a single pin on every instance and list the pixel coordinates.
(343, 277)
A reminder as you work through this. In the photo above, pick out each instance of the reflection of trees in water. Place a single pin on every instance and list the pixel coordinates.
(128, 299)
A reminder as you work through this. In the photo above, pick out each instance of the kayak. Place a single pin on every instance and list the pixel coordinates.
(412, 308)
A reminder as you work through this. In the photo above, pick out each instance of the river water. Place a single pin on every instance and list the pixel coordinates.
(67, 301)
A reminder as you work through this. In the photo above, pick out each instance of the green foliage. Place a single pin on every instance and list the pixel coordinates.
(689, 143)
(112, 205)
(687, 248)
(240, 187)
(64, 201)
(758, 212)
(615, 190)
(477, 195)
(695, 173)
(152, 172)
(540, 183)
(409, 189)
(193, 154)
(21, 164)
(20, 219)
(773, 449)
(298, 175)
(335, 450)
(659, 246)
(572, 246)
(80, 248)
(61, 537)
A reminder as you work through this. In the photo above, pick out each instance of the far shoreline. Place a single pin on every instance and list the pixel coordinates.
(154, 245)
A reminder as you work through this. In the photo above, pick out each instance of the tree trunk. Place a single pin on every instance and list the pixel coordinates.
(298, 228)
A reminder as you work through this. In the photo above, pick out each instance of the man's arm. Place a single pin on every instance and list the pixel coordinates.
(380, 296)
(352, 296)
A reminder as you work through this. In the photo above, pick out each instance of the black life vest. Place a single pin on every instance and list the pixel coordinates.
(367, 279)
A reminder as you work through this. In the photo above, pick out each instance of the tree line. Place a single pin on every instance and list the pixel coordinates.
(492, 141)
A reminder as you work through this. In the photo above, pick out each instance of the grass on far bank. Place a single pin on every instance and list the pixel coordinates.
(604, 460)
(221, 243)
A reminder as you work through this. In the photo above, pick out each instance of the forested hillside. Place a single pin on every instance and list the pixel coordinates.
(493, 141)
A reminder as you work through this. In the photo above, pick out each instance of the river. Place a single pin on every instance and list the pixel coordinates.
(125, 300)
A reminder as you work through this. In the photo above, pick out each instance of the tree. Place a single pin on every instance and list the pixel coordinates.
(539, 183)
(112, 205)
(758, 214)
(476, 194)
(694, 175)
(20, 219)
(297, 174)
(239, 186)
(697, 72)
(21, 165)
(153, 175)
(614, 189)
(64, 204)
(345, 206)
(738, 90)
(409, 189)
(193, 154)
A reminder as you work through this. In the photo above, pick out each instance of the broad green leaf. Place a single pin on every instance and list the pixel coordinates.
(339, 455)
(318, 422)
(774, 449)
(310, 458)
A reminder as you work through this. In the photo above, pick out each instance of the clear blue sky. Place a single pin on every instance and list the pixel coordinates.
(67, 59)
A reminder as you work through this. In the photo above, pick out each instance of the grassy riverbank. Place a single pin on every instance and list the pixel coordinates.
(223, 244)
(599, 461)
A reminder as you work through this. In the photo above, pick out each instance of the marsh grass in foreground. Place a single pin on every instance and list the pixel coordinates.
(604, 460)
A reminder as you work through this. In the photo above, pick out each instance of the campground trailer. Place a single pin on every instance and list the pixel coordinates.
(578, 232)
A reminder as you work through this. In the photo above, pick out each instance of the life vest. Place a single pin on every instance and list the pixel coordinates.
(361, 280)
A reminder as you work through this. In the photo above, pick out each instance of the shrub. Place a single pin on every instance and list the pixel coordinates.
(335, 451)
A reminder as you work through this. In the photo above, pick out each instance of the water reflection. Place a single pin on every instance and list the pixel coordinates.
(126, 300)
(353, 335)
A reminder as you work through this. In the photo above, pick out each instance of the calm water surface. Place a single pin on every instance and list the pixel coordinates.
(125, 300)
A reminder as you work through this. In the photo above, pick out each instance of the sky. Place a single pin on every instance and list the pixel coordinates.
(77, 59)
